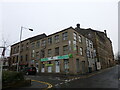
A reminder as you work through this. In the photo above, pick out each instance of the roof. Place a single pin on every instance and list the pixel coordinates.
(34, 38)
(41, 36)
(99, 33)
(60, 31)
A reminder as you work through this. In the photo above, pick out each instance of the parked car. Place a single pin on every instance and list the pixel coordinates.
(29, 70)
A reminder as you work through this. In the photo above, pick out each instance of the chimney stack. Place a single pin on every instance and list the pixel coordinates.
(105, 32)
(78, 25)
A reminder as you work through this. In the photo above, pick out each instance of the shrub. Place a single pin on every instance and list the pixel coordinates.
(11, 76)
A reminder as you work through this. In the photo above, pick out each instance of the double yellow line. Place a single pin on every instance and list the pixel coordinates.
(49, 85)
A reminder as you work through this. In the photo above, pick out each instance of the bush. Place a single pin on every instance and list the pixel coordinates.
(12, 79)
(11, 76)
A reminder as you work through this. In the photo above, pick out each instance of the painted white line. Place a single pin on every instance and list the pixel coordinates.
(56, 85)
(66, 80)
(69, 80)
(76, 78)
(61, 83)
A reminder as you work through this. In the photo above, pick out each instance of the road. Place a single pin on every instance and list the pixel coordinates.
(108, 78)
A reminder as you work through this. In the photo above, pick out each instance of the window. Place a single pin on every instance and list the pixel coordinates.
(32, 53)
(21, 58)
(42, 54)
(22, 47)
(49, 52)
(37, 55)
(65, 36)
(74, 45)
(17, 59)
(37, 44)
(91, 54)
(66, 65)
(26, 57)
(88, 53)
(13, 59)
(77, 48)
(14, 49)
(42, 65)
(18, 49)
(49, 62)
(91, 46)
(56, 38)
(43, 42)
(94, 53)
(75, 36)
(87, 42)
(32, 45)
(80, 38)
(50, 40)
(65, 49)
(57, 51)
(26, 46)
(81, 51)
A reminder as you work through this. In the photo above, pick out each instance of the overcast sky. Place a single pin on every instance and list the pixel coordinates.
(50, 16)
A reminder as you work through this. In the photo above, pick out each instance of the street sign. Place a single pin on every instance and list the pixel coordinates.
(57, 57)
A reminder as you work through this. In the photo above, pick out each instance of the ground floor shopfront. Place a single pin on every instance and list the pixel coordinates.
(66, 64)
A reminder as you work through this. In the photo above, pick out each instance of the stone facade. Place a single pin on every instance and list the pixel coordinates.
(102, 44)
(69, 51)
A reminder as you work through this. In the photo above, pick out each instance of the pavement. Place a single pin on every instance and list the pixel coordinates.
(107, 78)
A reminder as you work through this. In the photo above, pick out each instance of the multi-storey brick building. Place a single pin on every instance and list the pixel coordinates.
(66, 52)
(102, 44)
(24, 52)
(62, 52)
(25, 55)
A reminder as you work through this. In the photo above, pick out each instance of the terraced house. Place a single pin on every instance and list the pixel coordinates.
(64, 52)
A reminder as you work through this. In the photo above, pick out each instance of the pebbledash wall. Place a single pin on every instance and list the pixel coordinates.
(64, 52)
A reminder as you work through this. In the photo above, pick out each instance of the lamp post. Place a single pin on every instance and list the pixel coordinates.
(1, 65)
(20, 44)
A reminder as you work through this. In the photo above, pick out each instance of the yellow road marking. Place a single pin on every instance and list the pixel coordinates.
(49, 85)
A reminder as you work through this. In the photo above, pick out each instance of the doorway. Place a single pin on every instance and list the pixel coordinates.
(49, 67)
(83, 67)
(77, 66)
(66, 65)
(42, 67)
(57, 66)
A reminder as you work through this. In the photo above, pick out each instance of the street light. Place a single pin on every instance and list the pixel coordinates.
(20, 44)
(1, 65)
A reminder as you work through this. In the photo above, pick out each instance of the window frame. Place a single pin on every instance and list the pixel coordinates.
(65, 36)
(81, 51)
(65, 49)
(57, 52)
(56, 38)
(50, 40)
